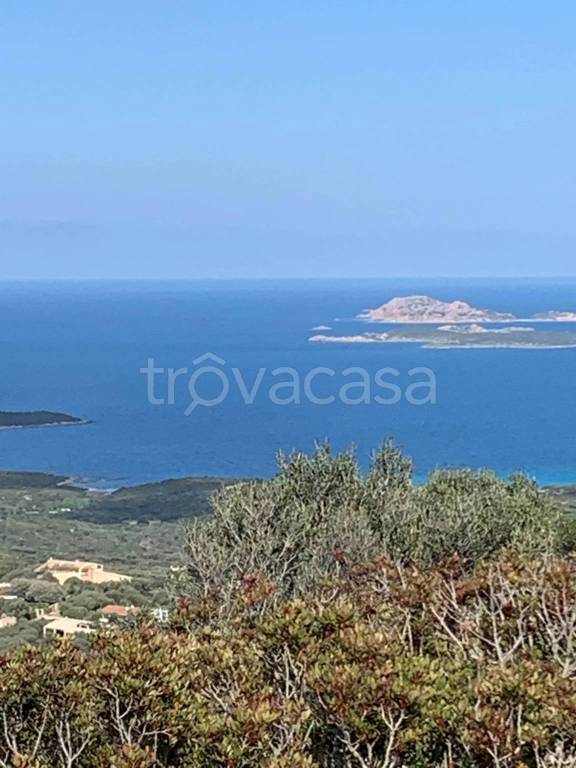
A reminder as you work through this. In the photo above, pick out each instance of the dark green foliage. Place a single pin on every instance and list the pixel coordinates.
(25, 632)
(168, 501)
(35, 418)
(567, 535)
(43, 591)
(28, 480)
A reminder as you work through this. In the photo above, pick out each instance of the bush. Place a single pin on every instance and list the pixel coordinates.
(320, 514)
(389, 665)
(328, 619)
(24, 632)
(46, 592)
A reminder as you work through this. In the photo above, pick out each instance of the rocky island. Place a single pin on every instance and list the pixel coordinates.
(425, 309)
(455, 324)
(556, 317)
(23, 419)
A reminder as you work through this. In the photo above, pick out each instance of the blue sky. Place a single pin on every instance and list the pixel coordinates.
(213, 138)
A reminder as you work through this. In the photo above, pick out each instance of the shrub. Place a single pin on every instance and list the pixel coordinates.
(388, 665)
(320, 514)
(328, 619)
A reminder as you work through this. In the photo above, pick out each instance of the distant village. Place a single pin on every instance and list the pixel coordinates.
(27, 601)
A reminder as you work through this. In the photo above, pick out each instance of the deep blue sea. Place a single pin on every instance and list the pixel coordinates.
(79, 348)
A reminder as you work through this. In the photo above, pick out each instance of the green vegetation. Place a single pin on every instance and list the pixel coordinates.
(463, 336)
(521, 338)
(287, 530)
(325, 619)
(168, 501)
(139, 529)
(30, 480)
(29, 539)
(35, 499)
(75, 599)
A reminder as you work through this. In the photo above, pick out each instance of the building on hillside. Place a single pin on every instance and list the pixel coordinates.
(7, 621)
(94, 573)
(65, 627)
(114, 611)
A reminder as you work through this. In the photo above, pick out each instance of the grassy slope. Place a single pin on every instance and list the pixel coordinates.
(138, 529)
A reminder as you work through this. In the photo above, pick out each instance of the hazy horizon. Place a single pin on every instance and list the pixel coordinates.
(294, 279)
(225, 140)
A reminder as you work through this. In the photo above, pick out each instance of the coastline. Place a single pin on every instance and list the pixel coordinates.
(425, 344)
(494, 346)
(76, 423)
(78, 483)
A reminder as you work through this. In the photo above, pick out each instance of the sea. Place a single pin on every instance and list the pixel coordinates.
(246, 382)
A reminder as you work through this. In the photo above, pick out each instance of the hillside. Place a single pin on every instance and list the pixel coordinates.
(138, 528)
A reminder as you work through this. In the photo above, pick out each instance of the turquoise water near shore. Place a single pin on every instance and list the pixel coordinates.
(79, 348)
